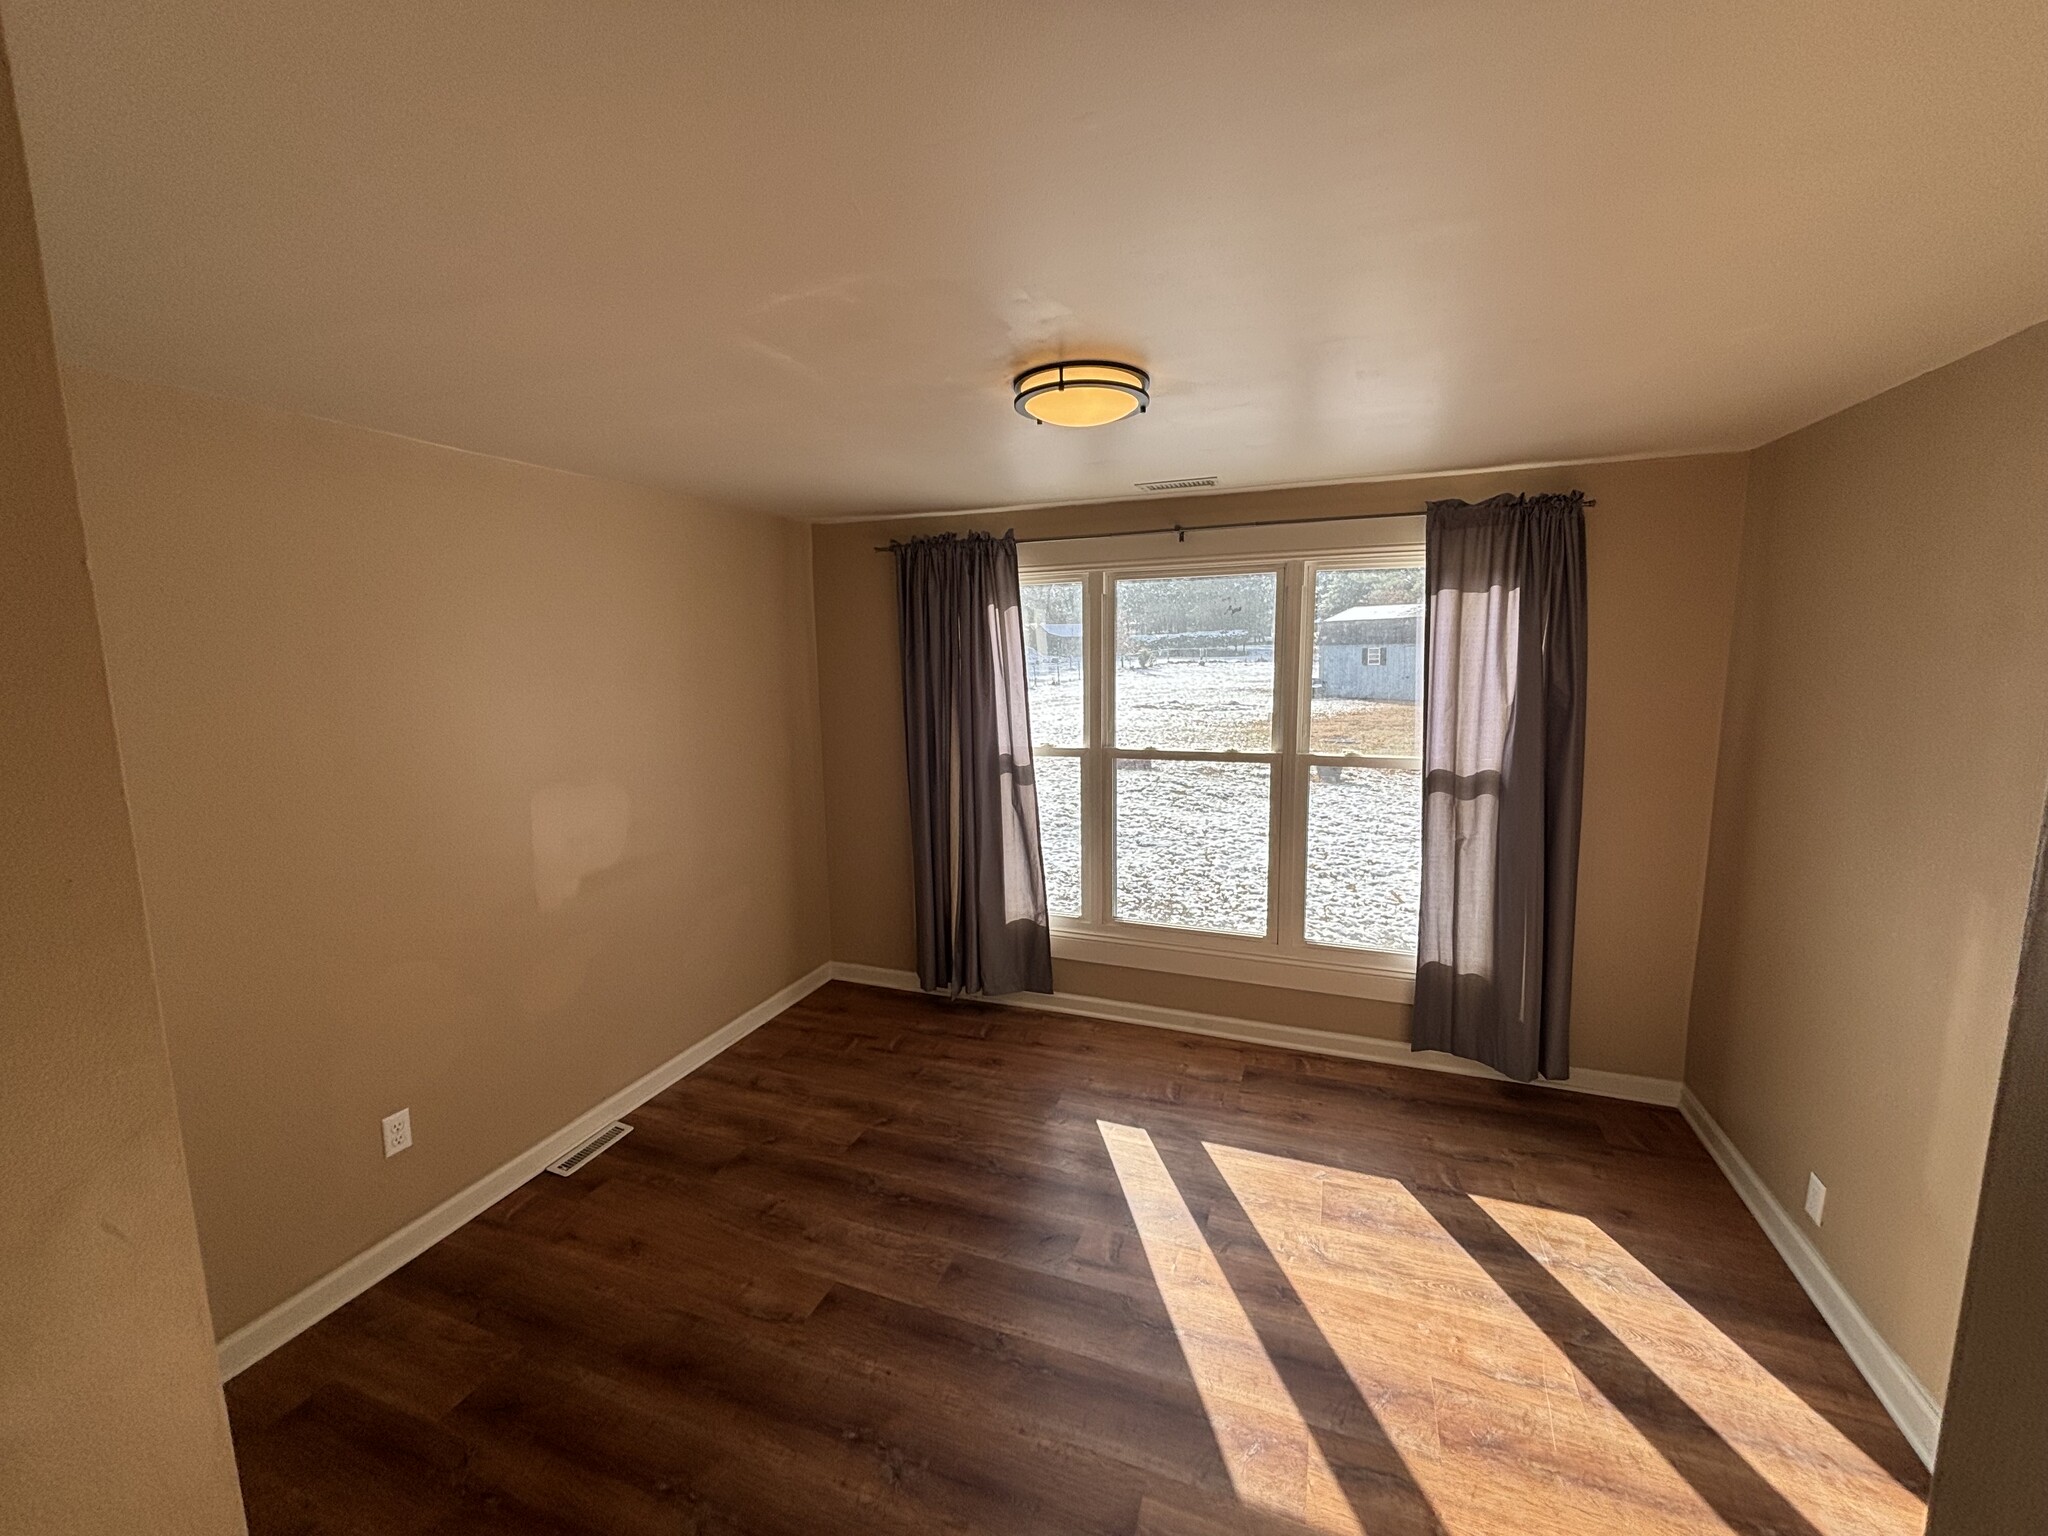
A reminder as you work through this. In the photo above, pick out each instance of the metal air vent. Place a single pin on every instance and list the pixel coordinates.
(1193, 483)
(584, 1151)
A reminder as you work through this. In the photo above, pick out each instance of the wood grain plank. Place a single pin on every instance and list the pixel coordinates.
(874, 1270)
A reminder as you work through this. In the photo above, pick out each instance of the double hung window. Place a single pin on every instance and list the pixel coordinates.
(1228, 758)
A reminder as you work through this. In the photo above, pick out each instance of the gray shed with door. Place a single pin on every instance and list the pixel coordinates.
(1370, 652)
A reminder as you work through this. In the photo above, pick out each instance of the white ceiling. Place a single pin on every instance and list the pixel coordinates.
(788, 255)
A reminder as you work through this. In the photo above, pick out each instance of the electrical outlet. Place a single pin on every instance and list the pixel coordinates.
(1816, 1198)
(397, 1132)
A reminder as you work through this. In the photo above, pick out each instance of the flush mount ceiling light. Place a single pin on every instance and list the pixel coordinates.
(1081, 394)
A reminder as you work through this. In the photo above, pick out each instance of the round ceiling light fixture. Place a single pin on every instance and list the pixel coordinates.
(1081, 394)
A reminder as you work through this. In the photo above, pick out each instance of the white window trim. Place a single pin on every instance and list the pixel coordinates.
(1282, 957)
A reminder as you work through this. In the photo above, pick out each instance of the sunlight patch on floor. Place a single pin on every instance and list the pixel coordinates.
(1497, 1427)
(1268, 1449)
(1839, 1489)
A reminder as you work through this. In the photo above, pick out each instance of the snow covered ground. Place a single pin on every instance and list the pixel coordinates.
(1059, 832)
(1365, 858)
(1191, 837)
(1191, 845)
(1217, 706)
(1190, 706)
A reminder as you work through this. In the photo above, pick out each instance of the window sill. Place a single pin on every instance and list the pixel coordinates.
(1384, 978)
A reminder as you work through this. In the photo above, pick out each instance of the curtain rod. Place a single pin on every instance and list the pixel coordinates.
(1184, 529)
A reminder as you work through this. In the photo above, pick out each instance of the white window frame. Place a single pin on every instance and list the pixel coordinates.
(1283, 956)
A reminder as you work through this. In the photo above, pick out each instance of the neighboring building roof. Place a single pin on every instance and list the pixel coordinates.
(1062, 631)
(1369, 613)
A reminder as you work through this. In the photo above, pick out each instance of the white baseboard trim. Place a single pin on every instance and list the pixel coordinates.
(250, 1343)
(1607, 1085)
(1910, 1404)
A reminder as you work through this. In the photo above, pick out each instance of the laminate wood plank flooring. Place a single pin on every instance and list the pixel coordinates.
(897, 1265)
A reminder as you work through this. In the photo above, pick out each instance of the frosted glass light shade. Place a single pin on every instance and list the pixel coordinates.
(1081, 394)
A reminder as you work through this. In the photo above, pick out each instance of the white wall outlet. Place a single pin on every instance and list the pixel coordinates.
(398, 1133)
(1816, 1198)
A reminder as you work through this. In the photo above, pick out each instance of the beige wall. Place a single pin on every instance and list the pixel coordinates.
(1991, 1479)
(110, 1411)
(1880, 788)
(458, 785)
(1663, 547)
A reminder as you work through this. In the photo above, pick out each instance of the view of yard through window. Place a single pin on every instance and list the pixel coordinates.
(1364, 857)
(1191, 844)
(1193, 662)
(1059, 831)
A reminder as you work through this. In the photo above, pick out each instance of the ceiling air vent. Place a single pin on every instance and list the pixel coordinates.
(1193, 483)
(584, 1151)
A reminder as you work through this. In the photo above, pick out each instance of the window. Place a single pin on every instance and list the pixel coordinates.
(1228, 761)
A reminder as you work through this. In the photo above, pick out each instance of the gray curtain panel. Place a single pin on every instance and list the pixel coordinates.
(1503, 755)
(981, 918)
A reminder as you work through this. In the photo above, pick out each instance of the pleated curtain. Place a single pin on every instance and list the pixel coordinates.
(982, 924)
(1503, 750)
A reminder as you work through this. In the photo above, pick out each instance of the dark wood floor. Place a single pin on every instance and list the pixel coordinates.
(890, 1265)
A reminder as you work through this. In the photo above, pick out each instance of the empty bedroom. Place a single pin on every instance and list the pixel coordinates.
(1098, 770)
